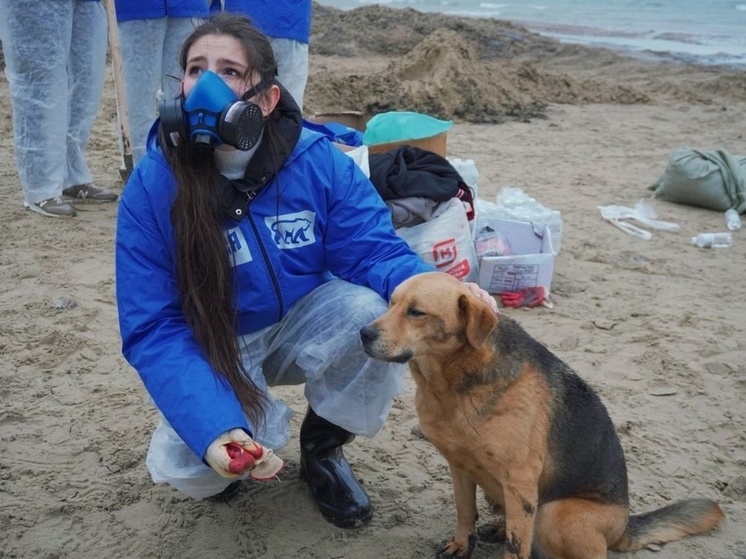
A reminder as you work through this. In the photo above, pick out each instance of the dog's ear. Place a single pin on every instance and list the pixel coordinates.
(479, 319)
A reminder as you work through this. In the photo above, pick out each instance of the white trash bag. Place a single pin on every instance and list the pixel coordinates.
(445, 241)
(642, 212)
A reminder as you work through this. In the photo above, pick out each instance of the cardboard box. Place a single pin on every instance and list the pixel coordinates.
(358, 120)
(530, 265)
(435, 144)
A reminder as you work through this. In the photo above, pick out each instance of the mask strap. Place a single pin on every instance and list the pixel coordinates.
(258, 88)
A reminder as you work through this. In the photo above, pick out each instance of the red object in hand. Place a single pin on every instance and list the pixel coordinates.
(527, 297)
(241, 458)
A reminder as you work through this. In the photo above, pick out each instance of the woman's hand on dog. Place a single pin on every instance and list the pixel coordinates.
(483, 295)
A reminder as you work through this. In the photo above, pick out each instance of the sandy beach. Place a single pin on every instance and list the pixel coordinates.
(658, 327)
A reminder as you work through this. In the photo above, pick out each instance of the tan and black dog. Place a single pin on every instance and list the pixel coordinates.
(513, 419)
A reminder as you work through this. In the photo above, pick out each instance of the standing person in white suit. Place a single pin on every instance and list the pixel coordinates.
(150, 35)
(55, 59)
(287, 23)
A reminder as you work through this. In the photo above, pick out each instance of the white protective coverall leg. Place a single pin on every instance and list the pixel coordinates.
(55, 57)
(317, 344)
(292, 66)
(150, 64)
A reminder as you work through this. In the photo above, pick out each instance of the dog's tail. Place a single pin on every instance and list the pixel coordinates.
(670, 523)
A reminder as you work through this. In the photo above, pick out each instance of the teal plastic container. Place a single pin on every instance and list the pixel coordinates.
(400, 126)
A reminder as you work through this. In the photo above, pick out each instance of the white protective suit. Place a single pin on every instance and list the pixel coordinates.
(292, 66)
(55, 57)
(150, 64)
(316, 344)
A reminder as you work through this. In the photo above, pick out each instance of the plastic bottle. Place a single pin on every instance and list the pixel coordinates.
(732, 219)
(713, 240)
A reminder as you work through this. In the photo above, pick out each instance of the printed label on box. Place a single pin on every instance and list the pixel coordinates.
(512, 277)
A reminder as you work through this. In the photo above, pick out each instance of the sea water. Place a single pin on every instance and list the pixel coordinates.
(701, 31)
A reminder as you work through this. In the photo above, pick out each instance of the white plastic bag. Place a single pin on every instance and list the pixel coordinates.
(642, 212)
(360, 156)
(446, 242)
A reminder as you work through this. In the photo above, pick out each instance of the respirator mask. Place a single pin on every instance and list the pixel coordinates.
(212, 115)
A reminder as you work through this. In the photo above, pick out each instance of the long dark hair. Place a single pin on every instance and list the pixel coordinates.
(204, 274)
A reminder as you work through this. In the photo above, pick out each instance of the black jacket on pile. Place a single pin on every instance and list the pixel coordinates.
(408, 171)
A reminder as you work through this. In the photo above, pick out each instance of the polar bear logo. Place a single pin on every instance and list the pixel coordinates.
(293, 230)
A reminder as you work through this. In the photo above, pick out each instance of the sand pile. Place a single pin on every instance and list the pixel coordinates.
(381, 30)
(507, 71)
(444, 76)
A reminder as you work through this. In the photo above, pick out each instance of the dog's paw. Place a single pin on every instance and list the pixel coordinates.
(453, 550)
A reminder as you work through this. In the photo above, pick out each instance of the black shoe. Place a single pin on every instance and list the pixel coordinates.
(337, 492)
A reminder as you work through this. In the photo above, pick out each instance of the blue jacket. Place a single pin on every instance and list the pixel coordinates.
(286, 19)
(330, 222)
(154, 9)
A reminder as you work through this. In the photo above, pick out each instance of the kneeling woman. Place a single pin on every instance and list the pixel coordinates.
(249, 252)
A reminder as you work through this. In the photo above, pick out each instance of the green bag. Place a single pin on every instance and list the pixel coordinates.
(709, 179)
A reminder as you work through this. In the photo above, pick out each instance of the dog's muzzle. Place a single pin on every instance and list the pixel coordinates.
(375, 348)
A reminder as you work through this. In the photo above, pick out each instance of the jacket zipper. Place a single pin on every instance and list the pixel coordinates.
(268, 263)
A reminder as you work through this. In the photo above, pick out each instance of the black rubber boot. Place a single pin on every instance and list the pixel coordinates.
(337, 492)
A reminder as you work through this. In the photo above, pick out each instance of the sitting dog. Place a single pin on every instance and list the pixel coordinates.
(513, 419)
